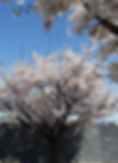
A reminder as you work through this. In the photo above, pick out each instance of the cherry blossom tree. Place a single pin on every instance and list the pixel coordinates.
(57, 97)
(50, 103)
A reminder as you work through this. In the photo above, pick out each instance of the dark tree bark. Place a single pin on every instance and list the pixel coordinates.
(103, 21)
(31, 145)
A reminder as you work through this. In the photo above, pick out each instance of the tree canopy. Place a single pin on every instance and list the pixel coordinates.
(56, 91)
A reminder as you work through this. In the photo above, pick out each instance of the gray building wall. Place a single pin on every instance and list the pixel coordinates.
(100, 145)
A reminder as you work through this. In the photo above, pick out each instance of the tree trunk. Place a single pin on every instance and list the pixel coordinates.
(28, 145)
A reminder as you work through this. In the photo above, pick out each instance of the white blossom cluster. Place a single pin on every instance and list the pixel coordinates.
(66, 89)
(99, 17)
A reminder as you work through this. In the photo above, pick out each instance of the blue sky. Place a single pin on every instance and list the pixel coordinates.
(19, 37)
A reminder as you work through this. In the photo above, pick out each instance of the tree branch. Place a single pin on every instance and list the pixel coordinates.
(103, 21)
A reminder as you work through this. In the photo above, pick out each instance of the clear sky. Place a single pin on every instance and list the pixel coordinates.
(19, 37)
